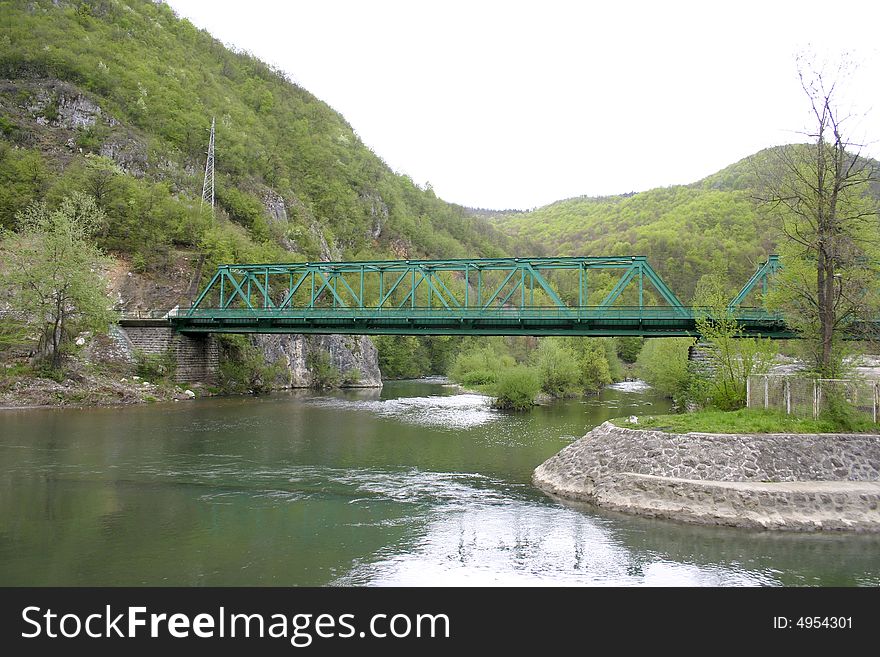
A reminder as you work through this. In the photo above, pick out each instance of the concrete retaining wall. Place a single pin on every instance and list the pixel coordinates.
(796, 482)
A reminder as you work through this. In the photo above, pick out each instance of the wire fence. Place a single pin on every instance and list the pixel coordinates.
(805, 397)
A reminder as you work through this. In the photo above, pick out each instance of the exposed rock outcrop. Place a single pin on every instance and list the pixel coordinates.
(354, 357)
(378, 212)
(59, 114)
(61, 104)
(329, 252)
(275, 207)
(128, 152)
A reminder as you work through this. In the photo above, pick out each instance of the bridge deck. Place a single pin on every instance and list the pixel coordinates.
(586, 321)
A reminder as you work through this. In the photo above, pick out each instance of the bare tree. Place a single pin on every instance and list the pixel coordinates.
(820, 195)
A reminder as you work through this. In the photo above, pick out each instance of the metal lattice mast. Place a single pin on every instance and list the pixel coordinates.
(208, 184)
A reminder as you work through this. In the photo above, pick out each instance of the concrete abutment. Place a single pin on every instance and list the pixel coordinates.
(196, 357)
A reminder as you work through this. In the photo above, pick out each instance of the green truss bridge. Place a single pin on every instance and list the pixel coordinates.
(590, 296)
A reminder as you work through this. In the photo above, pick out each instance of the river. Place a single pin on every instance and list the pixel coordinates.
(416, 485)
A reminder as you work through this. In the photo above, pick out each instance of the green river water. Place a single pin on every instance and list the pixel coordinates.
(416, 485)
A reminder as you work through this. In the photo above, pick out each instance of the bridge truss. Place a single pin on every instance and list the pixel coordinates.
(599, 296)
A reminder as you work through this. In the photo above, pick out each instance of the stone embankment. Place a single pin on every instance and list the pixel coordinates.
(804, 482)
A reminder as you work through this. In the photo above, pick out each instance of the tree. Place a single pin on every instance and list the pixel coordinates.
(733, 357)
(628, 347)
(558, 369)
(663, 362)
(595, 360)
(52, 273)
(819, 195)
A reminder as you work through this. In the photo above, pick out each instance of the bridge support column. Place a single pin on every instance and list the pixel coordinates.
(700, 357)
(196, 357)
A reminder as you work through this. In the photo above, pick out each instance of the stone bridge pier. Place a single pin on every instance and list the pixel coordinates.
(700, 357)
(197, 357)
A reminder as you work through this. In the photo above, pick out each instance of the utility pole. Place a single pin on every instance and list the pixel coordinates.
(208, 184)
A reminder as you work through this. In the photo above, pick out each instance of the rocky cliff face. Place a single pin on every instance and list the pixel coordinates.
(353, 357)
(63, 120)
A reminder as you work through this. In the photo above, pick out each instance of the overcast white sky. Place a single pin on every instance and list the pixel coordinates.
(518, 104)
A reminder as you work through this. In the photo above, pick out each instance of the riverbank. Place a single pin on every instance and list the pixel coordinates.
(90, 389)
(83, 388)
(806, 482)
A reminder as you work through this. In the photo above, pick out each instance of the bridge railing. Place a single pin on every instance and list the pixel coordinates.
(151, 314)
(475, 312)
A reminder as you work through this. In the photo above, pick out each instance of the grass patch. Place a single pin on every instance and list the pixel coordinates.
(744, 420)
(15, 370)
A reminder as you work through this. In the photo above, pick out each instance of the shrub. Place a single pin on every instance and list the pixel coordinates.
(155, 367)
(840, 412)
(558, 368)
(243, 367)
(516, 388)
(351, 377)
(479, 367)
(324, 373)
(663, 363)
(477, 377)
(7, 127)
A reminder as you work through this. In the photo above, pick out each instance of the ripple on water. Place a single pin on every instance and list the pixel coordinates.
(630, 386)
(449, 489)
(362, 486)
(453, 411)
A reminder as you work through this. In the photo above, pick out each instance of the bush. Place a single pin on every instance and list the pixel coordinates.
(663, 363)
(7, 127)
(480, 366)
(45, 370)
(516, 388)
(324, 373)
(477, 377)
(155, 367)
(89, 139)
(558, 368)
(351, 377)
(243, 367)
(840, 412)
(243, 208)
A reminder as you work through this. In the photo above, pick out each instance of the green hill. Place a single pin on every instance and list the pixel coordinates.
(685, 230)
(114, 98)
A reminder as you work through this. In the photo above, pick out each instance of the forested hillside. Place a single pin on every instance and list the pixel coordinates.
(686, 231)
(114, 98)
